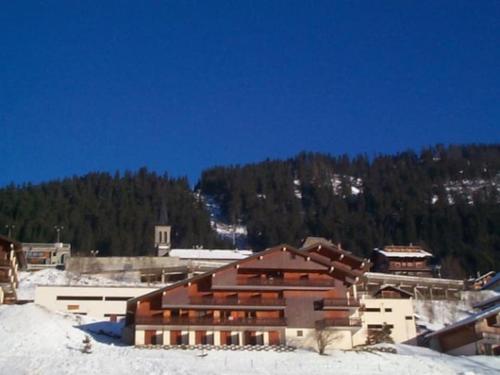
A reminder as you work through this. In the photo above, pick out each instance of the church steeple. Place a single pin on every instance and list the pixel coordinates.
(162, 232)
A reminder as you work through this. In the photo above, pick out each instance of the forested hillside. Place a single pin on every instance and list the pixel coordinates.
(115, 214)
(445, 198)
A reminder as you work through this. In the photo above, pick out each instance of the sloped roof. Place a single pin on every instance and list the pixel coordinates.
(364, 264)
(336, 265)
(492, 282)
(404, 251)
(310, 241)
(488, 302)
(210, 254)
(469, 320)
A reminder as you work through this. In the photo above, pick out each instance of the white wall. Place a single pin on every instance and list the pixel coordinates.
(403, 330)
(340, 339)
(47, 296)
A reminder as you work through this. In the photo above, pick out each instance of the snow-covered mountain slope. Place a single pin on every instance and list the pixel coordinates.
(36, 341)
(236, 233)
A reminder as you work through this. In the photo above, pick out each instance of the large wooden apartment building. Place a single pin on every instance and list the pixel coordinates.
(278, 296)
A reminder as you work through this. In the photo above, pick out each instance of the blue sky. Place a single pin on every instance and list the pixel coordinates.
(179, 86)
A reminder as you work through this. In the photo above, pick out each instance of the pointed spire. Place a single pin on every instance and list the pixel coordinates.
(163, 217)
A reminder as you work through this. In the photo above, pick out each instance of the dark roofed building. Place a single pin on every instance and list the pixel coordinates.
(408, 260)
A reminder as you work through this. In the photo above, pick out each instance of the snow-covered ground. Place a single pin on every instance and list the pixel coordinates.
(36, 341)
(29, 280)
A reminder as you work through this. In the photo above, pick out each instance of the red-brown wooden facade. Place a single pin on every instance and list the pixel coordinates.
(279, 288)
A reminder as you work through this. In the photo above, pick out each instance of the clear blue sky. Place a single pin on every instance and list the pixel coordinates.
(179, 86)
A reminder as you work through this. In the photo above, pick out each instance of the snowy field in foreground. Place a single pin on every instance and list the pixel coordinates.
(36, 341)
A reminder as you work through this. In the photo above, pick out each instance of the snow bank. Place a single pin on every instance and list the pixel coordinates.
(36, 341)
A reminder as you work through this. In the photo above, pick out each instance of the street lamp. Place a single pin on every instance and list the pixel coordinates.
(58, 229)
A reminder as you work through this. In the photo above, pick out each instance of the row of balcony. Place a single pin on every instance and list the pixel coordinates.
(232, 301)
(209, 321)
(270, 282)
(327, 303)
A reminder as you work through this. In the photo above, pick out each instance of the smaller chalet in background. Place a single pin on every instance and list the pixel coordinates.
(46, 255)
(481, 280)
(476, 334)
(402, 260)
(11, 259)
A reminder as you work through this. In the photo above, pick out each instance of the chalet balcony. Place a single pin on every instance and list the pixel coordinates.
(280, 284)
(339, 323)
(410, 267)
(208, 321)
(337, 304)
(248, 303)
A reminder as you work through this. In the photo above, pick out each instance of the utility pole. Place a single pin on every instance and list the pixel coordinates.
(10, 229)
(58, 229)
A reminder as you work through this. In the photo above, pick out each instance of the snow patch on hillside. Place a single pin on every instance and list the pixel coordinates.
(297, 188)
(237, 233)
(471, 189)
(355, 184)
(36, 341)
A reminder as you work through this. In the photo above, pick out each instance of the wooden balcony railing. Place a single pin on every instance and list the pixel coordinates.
(286, 282)
(208, 321)
(339, 322)
(409, 268)
(214, 301)
(340, 302)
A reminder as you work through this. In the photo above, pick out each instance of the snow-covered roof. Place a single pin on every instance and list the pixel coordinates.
(469, 320)
(495, 300)
(420, 253)
(492, 282)
(210, 254)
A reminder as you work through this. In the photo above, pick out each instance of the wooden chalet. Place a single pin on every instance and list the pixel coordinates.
(476, 334)
(11, 259)
(278, 296)
(402, 260)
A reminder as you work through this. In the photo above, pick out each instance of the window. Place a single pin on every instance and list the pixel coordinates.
(117, 298)
(300, 333)
(78, 298)
(372, 309)
(388, 310)
(379, 326)
(409, 317)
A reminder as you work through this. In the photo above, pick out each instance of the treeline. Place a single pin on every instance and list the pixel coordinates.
(444, 198)
(115, 214)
